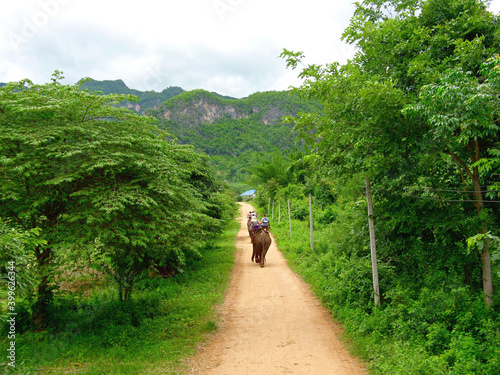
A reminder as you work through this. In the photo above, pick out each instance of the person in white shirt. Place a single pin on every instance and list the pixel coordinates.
(264, 223)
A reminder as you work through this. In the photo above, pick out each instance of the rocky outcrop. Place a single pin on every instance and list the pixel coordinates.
(133, 106)
(206, 110)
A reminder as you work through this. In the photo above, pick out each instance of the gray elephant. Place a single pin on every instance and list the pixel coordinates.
(261, 243)
(250, 229)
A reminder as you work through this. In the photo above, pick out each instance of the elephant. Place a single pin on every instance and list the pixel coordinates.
(250, 229)
(261, 243)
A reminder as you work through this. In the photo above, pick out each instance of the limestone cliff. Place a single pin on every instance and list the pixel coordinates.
(198, 107)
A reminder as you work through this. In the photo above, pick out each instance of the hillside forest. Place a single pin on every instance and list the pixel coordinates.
(113, 206)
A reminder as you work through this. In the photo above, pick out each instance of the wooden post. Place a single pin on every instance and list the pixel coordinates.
(311, 221)
(272, 216)
(290, 218)
(268, 206)
(373, 247)
(279, 212)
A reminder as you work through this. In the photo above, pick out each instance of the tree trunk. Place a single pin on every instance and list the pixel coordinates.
(485, 253)
(44, 291)
(290, 218)
(311, 230)
(125, 281)
(474, 148)
(487, 277)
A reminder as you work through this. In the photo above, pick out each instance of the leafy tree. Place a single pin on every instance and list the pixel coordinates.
(402, 47)
(463, 112)
(271, 171)
(17, 254)
(80, 168)
(412, 42)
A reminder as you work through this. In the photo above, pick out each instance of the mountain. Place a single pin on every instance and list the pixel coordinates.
(236, 133)
(149, 99)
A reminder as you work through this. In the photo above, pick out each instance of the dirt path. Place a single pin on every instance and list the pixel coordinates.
(271, 323)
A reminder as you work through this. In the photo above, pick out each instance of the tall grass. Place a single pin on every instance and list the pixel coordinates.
(153, 333)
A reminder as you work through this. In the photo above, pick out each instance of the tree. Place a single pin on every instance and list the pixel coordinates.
(80, 168)
(463, 112)
(402, 47)
(271, 172)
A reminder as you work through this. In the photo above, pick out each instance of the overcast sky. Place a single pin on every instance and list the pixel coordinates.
(227, 46)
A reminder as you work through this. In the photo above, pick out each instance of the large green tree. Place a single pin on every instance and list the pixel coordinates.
(404, 46)
(462, 111)
(83, 170)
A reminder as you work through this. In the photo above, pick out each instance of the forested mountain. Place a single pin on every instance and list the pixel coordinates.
(149, 99)
(236, 133)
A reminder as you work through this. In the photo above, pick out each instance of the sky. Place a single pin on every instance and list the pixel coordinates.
(231, 47)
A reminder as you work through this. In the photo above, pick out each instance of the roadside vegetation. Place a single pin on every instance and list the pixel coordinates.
(98, 209)
(416, 111)
(89, 331)
(432, 322)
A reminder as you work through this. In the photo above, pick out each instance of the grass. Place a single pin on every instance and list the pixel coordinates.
(154, 333)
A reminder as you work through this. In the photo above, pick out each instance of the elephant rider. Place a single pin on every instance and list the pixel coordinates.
(255, 223)
(265, 222)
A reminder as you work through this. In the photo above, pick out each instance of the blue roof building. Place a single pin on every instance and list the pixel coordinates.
(249, 194)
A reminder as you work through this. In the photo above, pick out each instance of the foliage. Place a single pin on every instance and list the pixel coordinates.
(406, 49)
(154, 331)
(81, 169)
(431, 321)
(16, 252)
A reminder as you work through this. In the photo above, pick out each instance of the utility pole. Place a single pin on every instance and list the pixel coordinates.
(290, 218)
(373, 247)
(311, 221)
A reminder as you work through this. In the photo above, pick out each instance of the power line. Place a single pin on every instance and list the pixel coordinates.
(452, 191)
(450, 200)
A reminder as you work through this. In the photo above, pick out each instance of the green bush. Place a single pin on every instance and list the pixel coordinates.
(328, 216)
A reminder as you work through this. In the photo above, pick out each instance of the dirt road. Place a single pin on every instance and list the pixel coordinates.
(271, 323)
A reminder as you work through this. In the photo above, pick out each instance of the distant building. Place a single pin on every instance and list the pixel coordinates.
(248, 195)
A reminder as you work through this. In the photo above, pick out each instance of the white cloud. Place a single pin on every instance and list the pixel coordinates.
(227, 46)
